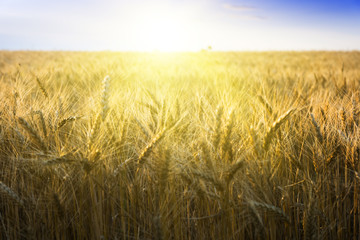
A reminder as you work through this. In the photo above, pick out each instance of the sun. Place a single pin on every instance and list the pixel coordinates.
(161, 28)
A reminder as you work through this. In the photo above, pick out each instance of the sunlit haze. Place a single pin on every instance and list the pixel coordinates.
(171, 25)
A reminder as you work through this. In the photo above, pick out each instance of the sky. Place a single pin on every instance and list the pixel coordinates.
(179, 25)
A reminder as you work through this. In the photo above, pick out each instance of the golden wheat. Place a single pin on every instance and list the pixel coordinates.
(157, 154)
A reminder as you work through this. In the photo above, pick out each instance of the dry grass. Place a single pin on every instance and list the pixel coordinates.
(179, 146)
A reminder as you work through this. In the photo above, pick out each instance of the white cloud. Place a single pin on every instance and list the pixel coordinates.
(239, 7)
(244, 12)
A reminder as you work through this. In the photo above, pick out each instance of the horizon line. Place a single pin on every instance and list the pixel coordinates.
(185, 51)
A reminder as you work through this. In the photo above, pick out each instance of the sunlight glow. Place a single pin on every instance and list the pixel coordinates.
(160, 28)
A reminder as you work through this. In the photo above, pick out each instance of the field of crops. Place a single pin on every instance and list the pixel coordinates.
(180, 146)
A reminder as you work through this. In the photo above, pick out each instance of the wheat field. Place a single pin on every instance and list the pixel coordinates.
(204, 145)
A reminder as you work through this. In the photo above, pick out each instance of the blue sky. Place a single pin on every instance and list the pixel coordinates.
(178, 25)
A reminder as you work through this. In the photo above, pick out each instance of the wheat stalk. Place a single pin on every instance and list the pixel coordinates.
(153, 98)
(142, 128)
(158, 227)
(207, 157)
(59, 207)
(60, 110)
(310, 223)
(323, 114)
(198, 186)
(153, 110)
(227, 146)
(254, 139)
(123, 135)
(178, 109)
(164, 170)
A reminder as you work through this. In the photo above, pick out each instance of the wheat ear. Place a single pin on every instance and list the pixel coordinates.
(259, 225)
(274, 127)
(266, 104)
(355, 111)
(65, 121)
(42, 88)
(267, 208)
(105, 97)
(94, 131)
(208, 177)
(5, 189)
(145, 153)
(217, 132)
(317, 128)
(343, 118)
(32, 133)
(233, 169)
(42, 122)
(15, 98)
